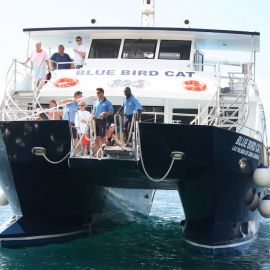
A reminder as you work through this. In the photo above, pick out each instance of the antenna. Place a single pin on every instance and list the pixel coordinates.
(148, 13)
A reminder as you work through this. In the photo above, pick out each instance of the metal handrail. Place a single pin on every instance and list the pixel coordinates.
(62, 63)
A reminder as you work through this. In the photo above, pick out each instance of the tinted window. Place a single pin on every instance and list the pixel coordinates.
(139, 49)
(154, 116)
(182, 119)
(104, 48)
(175, 49)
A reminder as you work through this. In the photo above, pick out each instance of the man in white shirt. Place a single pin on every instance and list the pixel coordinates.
(39, 61)
(79, 53)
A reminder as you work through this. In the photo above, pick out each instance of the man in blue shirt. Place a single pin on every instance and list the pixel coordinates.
(131, 106)
(60, 57)
(102, 109)
(71, 107)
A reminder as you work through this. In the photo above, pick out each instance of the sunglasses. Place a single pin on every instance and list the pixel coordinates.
(82, 105)
(98, 93)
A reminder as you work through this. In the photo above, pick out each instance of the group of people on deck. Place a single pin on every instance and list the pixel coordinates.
(60, 60)
(75, 112)
(75, 108)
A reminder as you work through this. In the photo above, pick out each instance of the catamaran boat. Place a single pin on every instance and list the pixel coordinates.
(202, 133)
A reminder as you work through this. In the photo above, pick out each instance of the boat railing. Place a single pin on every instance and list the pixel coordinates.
(262, 122)
(17, 77)
(19, 87)
(214, 67)
(55, 65)
(228, 121)
(124, 148)
(232, 100)
(23, 83)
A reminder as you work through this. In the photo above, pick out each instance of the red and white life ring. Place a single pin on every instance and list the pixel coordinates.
(194, 85)
(65, 82)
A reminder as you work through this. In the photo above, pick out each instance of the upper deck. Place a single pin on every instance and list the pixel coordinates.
(167, 69)
(210, 39)
(148, 58)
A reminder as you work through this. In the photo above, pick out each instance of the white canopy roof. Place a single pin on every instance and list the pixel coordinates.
(204, 38)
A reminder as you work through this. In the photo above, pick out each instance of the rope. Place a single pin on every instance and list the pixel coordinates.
(56, 162)
(142, 162)
(100, 152)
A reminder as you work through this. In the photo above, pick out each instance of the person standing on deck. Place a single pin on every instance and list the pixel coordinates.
(60, 57)
(39, 60)
(131, 106)
(102, 109)
(71, 107)
(81, 120)
(79, 53)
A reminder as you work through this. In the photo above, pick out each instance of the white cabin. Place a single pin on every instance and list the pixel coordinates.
(180, 75)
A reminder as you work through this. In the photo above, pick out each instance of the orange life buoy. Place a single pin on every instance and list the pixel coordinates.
(194, 85)
(65, 82)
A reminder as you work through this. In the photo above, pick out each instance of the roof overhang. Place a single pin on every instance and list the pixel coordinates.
(205, 38)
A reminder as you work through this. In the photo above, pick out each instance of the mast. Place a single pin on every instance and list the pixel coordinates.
(148, 13)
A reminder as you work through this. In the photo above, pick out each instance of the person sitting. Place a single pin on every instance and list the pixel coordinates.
(111, 137)
(60, 57)
(55, 114)
(81, 119)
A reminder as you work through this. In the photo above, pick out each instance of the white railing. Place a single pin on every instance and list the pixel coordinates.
(19, 78)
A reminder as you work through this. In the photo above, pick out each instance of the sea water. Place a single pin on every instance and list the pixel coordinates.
(154, 243)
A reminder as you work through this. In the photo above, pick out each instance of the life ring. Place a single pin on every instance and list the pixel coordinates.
(66, 82)
(193, 85)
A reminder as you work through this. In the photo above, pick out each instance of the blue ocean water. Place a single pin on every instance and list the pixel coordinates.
(154, 243)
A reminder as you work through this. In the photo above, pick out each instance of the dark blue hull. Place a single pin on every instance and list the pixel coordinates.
(213, 187)
(80, 195)
(211, 184)
(53, 201)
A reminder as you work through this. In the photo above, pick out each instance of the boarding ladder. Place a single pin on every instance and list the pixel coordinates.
(229, 106)
(20, 96)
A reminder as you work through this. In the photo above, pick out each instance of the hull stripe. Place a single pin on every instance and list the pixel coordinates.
(43, 236)
(220, 246)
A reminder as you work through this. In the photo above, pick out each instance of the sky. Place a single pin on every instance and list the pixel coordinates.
(244, 15)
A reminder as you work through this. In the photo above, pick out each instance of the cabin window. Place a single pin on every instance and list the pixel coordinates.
(153, 114)
(104, 48)
(184, 116)
(139, 49)
(174, 49)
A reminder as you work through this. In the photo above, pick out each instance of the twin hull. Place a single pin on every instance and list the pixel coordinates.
(56, 202)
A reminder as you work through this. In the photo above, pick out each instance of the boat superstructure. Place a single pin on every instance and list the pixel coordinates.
(202, 133)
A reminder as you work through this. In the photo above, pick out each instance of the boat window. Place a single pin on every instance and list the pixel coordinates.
(153, 114)
(104, 48)
(139, 49)
(175, 49)
(184, 116)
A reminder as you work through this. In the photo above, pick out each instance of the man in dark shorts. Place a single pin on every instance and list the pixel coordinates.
(102, 109)
(131, 106)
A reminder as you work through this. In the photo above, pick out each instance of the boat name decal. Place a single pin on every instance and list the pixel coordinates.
(127, 72)
(123, 83)
(247, 147)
